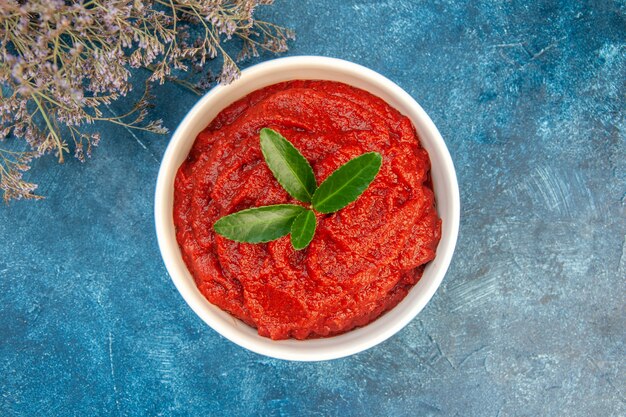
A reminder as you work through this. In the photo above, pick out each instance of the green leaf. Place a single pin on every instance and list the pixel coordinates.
(288, 165)
(303, 229)
(347, 183)
(259, 224)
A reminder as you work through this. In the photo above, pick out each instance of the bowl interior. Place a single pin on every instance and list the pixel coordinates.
(444, 182)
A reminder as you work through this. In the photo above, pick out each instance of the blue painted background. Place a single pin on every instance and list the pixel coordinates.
(530, 319)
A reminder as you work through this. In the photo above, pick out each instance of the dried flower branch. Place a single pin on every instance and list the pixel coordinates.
(62, 64)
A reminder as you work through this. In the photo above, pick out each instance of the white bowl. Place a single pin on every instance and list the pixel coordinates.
(444, 181)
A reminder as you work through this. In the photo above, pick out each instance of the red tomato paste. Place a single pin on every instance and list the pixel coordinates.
(363, 259)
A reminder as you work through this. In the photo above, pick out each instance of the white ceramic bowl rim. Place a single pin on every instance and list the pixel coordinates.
(442, 173)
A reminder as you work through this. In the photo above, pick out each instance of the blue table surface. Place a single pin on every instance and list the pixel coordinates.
(530, 319)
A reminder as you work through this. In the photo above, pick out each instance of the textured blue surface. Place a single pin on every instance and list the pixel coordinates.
(530, 319)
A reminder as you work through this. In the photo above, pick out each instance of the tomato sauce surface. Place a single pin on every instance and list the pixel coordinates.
(363, 259)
